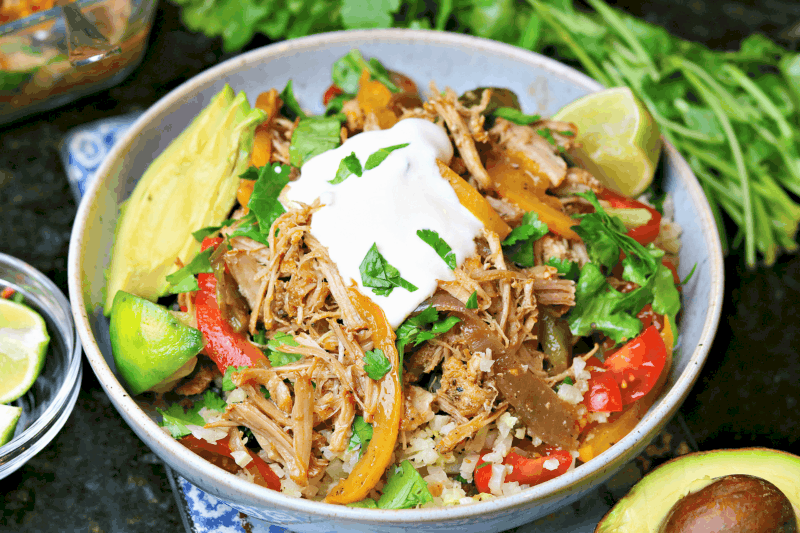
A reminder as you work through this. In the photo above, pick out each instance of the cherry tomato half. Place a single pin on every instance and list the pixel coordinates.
(526, 470)
(637, 364)
(644, 234)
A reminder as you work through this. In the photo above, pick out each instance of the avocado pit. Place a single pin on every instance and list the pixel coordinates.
(734, 504)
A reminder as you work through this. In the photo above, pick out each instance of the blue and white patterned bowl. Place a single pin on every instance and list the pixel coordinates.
(457, 61)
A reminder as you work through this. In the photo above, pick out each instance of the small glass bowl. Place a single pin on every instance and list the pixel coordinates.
(48, 404)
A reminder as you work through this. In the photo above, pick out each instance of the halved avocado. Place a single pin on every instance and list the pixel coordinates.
(643, 509)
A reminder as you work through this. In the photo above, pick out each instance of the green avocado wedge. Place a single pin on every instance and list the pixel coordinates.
(647, 504)
(191, 185)
(148, 342)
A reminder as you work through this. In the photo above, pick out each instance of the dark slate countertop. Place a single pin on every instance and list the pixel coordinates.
(98, 476)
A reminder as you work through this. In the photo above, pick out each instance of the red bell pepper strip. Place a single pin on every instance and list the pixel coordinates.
(224, 345)
(262, 473)
(644, 234)
(526, 470)
(637, 365)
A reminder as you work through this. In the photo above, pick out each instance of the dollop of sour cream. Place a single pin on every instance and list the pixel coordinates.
(386, 206)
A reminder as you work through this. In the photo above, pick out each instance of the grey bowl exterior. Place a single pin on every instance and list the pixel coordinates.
(456, 61)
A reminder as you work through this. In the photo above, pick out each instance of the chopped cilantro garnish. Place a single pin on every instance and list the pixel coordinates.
(175, 419)
(227, 382)
(184, 279)
(379, 275)
(376, 364)
(377, 158)
(362, 434)
(212, 400)
(413, 329)
(313, 136)
(516, 116)
(265, 392)
(519, 243)
(566, 133)
(248, 226)
(347, 167)
(278, 358)
(439, 245)
(547, 135)
(472, 301)
(460, 479)
(291, 108)
(346, 72)
(599, 306)
(264, 202)
(260, 337)
(202, 233)
(404, 489)
(566, 268)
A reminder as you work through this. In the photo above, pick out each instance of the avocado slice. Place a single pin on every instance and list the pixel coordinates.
(149, 343)
(191, 185)
(646, 505)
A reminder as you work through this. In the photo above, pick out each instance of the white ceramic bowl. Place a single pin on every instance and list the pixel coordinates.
(458, 61)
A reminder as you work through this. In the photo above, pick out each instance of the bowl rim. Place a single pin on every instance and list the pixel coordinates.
(567, 483)
(43, 430)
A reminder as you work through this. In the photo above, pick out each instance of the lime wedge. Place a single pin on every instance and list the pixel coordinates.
(620, 140)
(9, 416)
(23, 344)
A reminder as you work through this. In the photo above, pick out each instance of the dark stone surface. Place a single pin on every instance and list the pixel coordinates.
(98, 476)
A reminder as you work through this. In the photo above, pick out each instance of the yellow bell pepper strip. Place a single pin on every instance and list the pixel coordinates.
(602, 437)
(386, 423)
(374, 97)
(474, 202)
(522, 190)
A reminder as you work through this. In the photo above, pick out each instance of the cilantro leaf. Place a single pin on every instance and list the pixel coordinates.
(202, 233)
(377, 158)
(346, 71)
(362, 434)
(404, 489)
(439, 245)
(413, 329)
(264, 202)
(376, 364)
(313, 136)
(212, 400)
(247, 226)
(175, 419)
(278, 358)
(348, 166)
(547, 135)
(379, 275)
(227, 382)
(291, 108)
(566, 268)
(605, 236)
(666, 298)
(598, 306)
(472, 301)
(519, 242)
(183, 280)
(516, 116)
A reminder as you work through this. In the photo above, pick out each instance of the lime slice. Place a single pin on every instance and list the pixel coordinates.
(9, 416)
(620, 140)
(23, 344)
